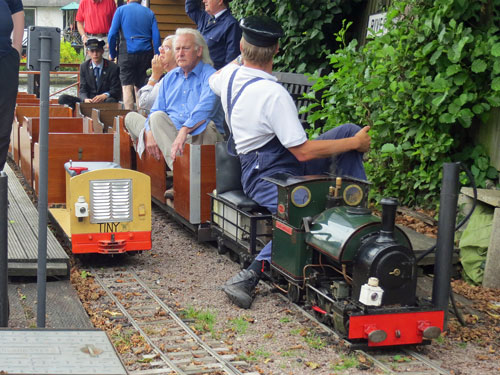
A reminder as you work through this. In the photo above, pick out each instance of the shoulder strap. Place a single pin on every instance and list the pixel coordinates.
(231, 148)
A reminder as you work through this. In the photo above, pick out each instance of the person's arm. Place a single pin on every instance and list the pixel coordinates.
(204, 108)
(317, 149)
(233, 34)
(113, 34)
(81, 31)
(194, 11)
(179, 141)
(84, 90)
(156, 37)
(148, 95)
(18, 32)
(115, 89)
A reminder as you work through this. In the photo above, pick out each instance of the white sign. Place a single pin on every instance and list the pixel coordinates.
(376, 24)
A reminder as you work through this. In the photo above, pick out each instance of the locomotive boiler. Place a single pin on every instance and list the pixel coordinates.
(356, 271)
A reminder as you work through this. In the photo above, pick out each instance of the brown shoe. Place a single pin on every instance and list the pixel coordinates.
(169, 194)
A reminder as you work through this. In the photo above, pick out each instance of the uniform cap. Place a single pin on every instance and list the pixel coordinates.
(261, 31)
(95, 44)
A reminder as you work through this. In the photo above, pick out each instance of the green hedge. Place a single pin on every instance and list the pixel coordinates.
(309, 26)
(421, 87)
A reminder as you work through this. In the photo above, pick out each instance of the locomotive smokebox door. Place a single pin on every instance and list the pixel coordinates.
(385, 258)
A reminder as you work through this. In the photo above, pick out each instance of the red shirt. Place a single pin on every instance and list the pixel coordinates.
(96, 15)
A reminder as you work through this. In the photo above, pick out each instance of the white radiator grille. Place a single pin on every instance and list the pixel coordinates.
(110, 201)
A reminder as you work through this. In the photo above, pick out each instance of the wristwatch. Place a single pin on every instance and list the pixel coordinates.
(152, 80)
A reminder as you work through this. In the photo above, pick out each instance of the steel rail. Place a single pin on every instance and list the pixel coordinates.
(222, 364)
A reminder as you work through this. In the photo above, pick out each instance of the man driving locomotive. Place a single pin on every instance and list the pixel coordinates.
(269, 138)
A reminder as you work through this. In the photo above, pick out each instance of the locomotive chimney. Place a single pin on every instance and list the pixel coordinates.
(389, 206)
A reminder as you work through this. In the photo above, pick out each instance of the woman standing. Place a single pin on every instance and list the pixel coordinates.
(11, 23)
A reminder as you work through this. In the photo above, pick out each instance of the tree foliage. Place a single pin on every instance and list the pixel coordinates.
(309, 26)
(421, 87)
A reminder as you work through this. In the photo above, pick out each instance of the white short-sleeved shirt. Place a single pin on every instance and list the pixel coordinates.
(264, 110)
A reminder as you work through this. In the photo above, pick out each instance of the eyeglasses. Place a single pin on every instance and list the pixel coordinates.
(164, 49)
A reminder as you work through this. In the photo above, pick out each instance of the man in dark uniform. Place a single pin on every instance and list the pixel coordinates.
(219, 28)
(269, 137)
(99, 78)
(11, 23)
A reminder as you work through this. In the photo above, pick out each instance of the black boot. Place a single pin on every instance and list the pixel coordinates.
(240, 287)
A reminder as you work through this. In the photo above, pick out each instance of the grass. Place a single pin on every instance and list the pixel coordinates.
(239, 325)
(255, 356)
(345, 363)
(204, 319)
(286, 319)
(314, 341)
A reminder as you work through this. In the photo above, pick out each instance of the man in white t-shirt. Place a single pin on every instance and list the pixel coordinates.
(269, 138)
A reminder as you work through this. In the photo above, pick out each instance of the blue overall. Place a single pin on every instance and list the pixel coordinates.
(274, 158)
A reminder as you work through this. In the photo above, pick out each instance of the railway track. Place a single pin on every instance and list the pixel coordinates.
(390, 360)
(175, 347)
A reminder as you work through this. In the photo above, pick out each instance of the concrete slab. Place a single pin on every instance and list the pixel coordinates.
(55, 352)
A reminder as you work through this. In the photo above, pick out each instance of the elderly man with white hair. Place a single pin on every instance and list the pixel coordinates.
(186, 109)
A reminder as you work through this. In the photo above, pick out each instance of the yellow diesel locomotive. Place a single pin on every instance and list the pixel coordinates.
(108, 208)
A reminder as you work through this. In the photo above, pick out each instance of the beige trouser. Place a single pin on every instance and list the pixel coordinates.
(165, 132)
(130, 93)
(134, 123)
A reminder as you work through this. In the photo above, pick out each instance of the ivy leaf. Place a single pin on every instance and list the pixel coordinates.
(478, 66)
(388, 148)
(465, 117)
(495, 84)
(453, 69)
(436, 102)
(492, 173)
(447, 118)
(460, 78)
(496, 67)
(495, 50)
(436, 55)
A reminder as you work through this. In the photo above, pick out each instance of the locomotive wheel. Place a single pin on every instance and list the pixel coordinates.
(244, 262)
(221, 248)
(234, 256)
(294, 293)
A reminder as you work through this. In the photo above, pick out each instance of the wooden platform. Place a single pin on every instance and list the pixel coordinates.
(23, 236)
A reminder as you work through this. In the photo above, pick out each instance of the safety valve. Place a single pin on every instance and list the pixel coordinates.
(81, 207)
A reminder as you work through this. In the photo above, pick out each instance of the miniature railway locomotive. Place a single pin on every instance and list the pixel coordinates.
(357, 272)
(108, 209)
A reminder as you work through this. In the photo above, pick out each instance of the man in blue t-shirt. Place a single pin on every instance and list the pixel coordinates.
(134, 38)
(11, 22)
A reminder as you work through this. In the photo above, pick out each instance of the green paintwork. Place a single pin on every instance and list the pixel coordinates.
(339, 233)
(290, 252)
(319, 187)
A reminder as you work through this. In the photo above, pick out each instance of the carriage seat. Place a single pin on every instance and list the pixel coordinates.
(228, 179)
(79, 167)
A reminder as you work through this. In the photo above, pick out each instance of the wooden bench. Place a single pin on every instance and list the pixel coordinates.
(22, 100)
(69, 146)
(103, 120)
(32, 111)
(297, 85)
(85, 109)
(29, 133)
